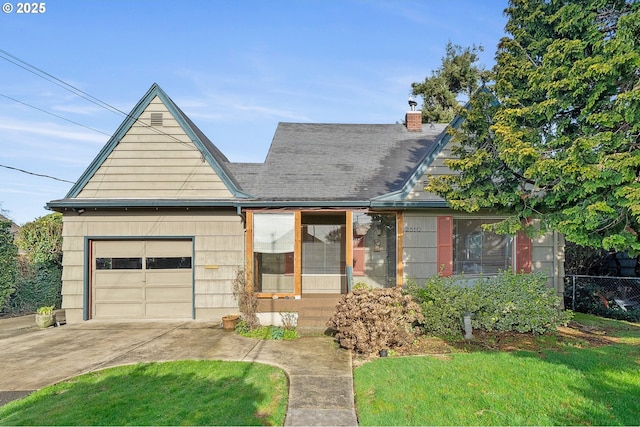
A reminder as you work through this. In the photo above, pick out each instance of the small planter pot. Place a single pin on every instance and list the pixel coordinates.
(229, 322)
(383, 352)
(45, 320)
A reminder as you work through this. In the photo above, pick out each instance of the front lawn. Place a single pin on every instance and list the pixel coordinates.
(171, 393)
(588, 374)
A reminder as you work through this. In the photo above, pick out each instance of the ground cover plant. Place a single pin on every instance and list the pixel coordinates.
(172, 393)
(586, 373)
(267, 332)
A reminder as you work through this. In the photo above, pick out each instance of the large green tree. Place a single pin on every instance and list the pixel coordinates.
(458, 76)
(557, 137)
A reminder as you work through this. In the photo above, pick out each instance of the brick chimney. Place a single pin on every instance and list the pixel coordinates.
(413, 119)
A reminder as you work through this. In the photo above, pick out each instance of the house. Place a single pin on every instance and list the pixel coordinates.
(161, 221)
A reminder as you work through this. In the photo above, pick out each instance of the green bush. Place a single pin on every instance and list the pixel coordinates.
(38, 285)
(368, 320)
(518, 302)
(8, 263)
(506, 302)
(39, 281)
(443, 302)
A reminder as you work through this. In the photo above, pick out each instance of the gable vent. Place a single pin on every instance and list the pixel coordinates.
(156, 119)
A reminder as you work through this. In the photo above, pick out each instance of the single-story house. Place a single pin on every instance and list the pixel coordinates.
(161, 221)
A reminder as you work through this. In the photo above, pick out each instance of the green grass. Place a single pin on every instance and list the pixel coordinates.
(557, 385)
(171, 393)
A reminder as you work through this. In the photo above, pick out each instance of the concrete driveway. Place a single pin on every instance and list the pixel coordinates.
(320, 376)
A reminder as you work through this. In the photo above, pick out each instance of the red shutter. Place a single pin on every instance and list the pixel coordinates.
(358, 256)
(523, 253)
(288, 263)
(445, 245)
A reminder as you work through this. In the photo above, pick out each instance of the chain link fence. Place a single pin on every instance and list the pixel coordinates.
(614, 297)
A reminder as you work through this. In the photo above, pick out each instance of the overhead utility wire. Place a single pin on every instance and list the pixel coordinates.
(54, 115)
(78, 92)
(58, 82)
(36, 174)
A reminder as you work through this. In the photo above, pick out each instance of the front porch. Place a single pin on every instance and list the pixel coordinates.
(314, 310)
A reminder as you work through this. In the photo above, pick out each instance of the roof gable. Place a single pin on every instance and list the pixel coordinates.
(216, 162)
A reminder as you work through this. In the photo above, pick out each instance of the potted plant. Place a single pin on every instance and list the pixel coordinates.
(229, 322)
(45, 316)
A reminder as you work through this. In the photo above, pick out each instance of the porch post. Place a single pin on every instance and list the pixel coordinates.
(297, 253)
(248, 249)
(349, 248)
(399, 249)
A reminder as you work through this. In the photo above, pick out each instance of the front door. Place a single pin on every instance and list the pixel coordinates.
(323, 252)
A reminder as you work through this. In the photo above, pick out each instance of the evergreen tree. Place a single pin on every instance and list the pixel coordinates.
(558, 137)
(459, 75)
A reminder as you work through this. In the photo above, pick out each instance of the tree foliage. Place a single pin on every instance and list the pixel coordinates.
(40, 279)
(8, 263)
(458, 75)
(558, 135)
(41, 240)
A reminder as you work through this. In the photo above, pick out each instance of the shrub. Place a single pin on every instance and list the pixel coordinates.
(39, 284)
(40, 280)
(518, 302)
(247, 299)
(8, 263)
(444, 301)
(506, 302)
(368, 320)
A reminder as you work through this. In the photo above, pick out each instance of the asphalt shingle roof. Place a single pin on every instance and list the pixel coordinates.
(336, 161)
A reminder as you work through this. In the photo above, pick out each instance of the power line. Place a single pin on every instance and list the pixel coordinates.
(54, 115)
(58, 82)
(78, 92)
(36, 174)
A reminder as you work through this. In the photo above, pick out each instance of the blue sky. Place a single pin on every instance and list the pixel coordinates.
(236, 68)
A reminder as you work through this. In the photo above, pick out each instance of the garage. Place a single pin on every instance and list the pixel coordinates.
(142, 279)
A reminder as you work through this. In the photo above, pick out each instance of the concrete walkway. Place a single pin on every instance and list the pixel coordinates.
(320, 374)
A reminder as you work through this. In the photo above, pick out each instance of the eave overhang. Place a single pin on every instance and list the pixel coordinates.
(75, 204)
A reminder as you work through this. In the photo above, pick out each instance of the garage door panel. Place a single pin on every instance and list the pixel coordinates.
(168, 310)
(118, 278)
(118, 248)
(168, 248)
(169, 277)
(119, 294)
(120, 310)
(168, 294)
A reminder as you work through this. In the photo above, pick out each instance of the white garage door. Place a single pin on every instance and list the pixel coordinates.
(142, 279)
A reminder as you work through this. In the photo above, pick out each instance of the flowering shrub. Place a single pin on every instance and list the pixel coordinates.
(368, 320)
